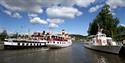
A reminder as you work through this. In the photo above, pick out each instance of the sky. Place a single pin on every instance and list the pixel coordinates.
(73, 16)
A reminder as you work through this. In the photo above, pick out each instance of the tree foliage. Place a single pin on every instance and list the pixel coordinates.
(78, 37)
(15, 35)
(120, 36)
(106, 21)
(3, 35)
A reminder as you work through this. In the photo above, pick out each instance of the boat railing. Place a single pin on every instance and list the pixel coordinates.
(119, 43)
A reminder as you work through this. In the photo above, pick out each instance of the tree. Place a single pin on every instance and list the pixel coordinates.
(105, 21)
(15, 35)
(3, 35)
(120, 36)
(93, 28)
(120, 30)
(78, 37)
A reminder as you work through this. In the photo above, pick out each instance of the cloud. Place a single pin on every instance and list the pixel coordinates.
(84, 3)
(63, 12)
(94, 9)
(122, 25)
(15, 15)
(97, 7)
(57, 10)
(113, 13)
(32, 15)
(55, 20)
(37, 20)
(8, 12)
(35, 7)
(53, 25)
(22, 5)
(69, 3)
(116, 3)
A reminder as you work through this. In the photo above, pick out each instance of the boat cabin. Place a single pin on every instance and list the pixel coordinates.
(101, 39)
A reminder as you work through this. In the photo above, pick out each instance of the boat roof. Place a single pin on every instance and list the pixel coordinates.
(100, 33)
(91, 36)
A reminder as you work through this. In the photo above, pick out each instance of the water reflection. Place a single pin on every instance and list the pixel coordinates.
(59, 55)
(74, 54)
(101, 59)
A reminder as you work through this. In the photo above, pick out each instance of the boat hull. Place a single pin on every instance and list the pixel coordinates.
(57, 44)
(108, 49)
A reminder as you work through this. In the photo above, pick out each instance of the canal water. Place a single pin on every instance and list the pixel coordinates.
(73, 54)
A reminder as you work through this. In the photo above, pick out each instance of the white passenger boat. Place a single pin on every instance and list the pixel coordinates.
(36, 40)
(59, 40)
(39, 40)
(102, 43)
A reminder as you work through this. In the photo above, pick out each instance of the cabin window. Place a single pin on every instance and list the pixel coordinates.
(22, 44)
(109, 41)
(35, 44)
(25, 44)
(64, 42)
(53, 42)
(32, 44)
(39, 44)
(29, 44)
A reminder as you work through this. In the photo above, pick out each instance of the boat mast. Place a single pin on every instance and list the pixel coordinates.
(99, 29)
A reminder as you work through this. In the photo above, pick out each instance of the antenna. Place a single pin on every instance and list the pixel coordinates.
(51, 30)
(28, 31)
(98, 27)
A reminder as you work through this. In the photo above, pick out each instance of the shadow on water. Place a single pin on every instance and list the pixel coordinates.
(73, 54)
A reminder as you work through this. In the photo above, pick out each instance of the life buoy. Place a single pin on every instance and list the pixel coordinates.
(104, 41)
